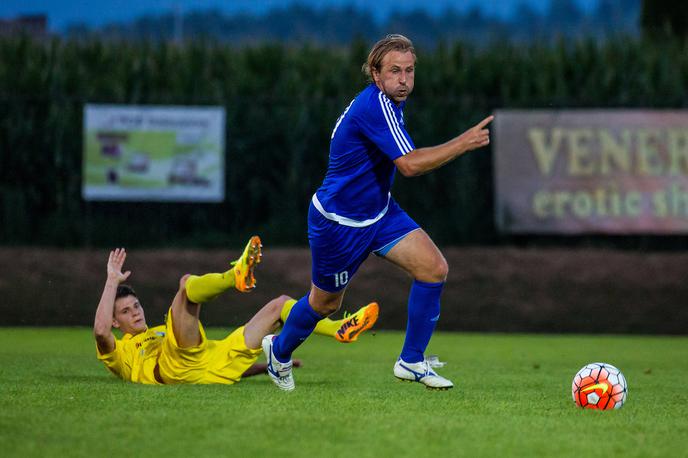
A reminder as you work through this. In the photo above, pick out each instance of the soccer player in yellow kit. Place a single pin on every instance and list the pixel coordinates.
(178, 351)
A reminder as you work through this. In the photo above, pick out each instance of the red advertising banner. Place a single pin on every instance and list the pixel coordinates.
(591, 171)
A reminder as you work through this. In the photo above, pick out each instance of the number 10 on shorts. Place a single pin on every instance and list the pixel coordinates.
(341, 279)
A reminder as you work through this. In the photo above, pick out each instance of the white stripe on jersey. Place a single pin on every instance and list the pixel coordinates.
(339, 121)
(393, 125)
(396, 124)
(343, 220)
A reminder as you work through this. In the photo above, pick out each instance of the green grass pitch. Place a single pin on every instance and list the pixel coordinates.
(512, 398)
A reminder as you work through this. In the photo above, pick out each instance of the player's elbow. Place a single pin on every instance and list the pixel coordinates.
(407, 166)
(409, 172)
(102, 330)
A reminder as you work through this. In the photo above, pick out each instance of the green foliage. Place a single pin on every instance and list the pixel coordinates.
(512, 398)
(664, 18)
(281, 105)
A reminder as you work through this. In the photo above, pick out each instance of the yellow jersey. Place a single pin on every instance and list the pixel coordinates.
(135, 357)
(154, 357)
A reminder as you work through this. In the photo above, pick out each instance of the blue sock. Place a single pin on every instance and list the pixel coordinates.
(299, 325)
(423, 313)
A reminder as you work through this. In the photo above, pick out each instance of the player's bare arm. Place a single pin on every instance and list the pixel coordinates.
(102, 326)
(423, 160)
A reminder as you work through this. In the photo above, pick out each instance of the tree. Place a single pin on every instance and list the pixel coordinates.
(664, 18)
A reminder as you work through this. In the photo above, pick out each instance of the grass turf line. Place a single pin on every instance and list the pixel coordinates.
(512, 398)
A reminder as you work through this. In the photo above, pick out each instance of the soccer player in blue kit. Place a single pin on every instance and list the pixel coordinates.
(353, 214)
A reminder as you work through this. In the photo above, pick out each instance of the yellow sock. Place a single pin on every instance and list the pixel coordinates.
(207, 287)
(286, 309)
(325, 327)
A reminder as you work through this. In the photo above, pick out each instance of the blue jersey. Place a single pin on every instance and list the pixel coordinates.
(367, 137)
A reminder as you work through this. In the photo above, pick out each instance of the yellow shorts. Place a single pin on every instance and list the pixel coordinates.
(212, 361)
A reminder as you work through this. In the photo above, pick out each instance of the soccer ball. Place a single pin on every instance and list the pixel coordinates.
(599, 386)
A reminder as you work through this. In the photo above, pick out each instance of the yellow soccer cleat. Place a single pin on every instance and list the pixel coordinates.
(355, 324)
(243, 267)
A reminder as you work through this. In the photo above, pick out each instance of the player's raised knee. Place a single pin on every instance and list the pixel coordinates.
(278, 302)
(182, 282)
(284, 298)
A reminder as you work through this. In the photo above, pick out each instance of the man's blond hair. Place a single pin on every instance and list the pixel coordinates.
(393, 42)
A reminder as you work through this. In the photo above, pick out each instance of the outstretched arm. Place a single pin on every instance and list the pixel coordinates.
(424, 160)
(102, 327)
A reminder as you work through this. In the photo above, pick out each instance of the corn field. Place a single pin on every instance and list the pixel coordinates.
(281, 104)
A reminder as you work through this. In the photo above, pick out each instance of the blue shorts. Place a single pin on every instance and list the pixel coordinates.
(337, 251)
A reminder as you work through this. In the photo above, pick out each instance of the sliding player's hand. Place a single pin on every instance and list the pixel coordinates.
(115, 263)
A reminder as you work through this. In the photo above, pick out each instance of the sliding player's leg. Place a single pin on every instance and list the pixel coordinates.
(204, 288)
(273, 315)
(345, 330)
(185, 321)
(195, 290)
(264, 322)
(299, 325)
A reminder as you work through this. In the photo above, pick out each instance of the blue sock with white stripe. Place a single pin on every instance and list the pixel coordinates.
(423, 313)
(299, 325)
